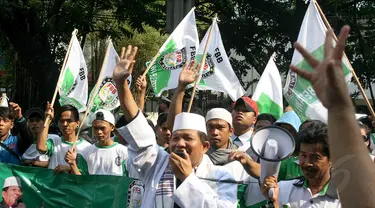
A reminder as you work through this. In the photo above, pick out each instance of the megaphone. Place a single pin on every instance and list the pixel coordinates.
(271, 144)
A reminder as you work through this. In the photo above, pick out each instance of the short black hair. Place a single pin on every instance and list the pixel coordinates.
(6, 112)
(202, 136)
(70, 108)
(315, 132)
(162, 118)
(267, 117)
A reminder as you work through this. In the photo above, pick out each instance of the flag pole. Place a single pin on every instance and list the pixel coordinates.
(350, 65)
(74, 33)
(95, 91)
(151, 63)
(203, 61)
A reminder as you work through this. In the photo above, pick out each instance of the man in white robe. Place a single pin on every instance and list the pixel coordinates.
(160, 171)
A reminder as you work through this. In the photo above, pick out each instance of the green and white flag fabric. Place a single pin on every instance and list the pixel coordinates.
(106, 96)
(217, 73)
(73, 88)
(297, 91)
(269, 93)
(178, 49)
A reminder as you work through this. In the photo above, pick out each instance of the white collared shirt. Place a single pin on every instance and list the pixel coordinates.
(244, 142)
(296, 193)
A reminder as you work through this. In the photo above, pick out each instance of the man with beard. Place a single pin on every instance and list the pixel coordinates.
(55, 146)
(35, 121)
(244, 114)
(184, 178)
(12, 193)
(315, 187)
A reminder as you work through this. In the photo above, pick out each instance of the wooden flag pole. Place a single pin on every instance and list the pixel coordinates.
(95, 92)
(74, 33)
(151, 63)
(350, 65)
(203, 61)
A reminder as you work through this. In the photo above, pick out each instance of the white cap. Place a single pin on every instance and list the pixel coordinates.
(12, 181)
(219, 113)
(107, 116)
(189, 121)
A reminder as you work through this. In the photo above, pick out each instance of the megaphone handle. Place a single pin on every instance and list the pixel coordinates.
(270, 192)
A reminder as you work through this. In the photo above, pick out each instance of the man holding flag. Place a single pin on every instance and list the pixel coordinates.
(55, 146)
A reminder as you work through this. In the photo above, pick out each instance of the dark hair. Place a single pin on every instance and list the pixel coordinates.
(165, 103)
(304, 124)
(202, 136)
(70, 108)
(363, 126)
(162, 118)
(315, 132)
(5, 189)
(267, 117)
(5, 112)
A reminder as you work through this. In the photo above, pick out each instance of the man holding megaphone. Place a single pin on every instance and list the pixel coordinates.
(315, 187)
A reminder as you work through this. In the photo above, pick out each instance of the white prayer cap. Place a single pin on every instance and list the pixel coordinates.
(190, 121)
(219, 113)
(104, 115)
(12, 181)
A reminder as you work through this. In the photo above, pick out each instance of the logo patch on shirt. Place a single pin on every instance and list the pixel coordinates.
(118, 160)
(135, 194)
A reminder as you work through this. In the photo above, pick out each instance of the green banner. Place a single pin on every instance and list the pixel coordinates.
(41, 188)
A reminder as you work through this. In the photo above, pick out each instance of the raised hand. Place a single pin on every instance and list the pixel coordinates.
(141, 83)
(327, 78)
(188, 74)
(124, 67)
(16, 109)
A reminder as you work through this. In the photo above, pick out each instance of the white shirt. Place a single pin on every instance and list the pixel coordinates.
(297, 194)
(244, 142)
(151, 162)
(97, 160)
(57, 148)
(32, 154)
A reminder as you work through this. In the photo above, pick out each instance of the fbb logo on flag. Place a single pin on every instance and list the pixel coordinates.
(173, 60)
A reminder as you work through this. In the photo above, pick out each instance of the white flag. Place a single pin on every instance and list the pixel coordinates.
(268, 94)
(217, 73)
(106, 96)
(73, 88)
(178, 49)
(297, 91)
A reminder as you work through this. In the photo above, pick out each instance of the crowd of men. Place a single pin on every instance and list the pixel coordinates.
(193, 160)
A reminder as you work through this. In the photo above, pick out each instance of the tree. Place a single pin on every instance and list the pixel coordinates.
(39, 31)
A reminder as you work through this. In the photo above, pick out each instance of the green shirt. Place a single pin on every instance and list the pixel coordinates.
(290, 169)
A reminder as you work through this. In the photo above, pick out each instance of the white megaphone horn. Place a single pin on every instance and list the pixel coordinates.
(271, 144)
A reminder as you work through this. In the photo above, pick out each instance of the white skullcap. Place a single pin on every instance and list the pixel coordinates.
(190, 121)
(12, 181)
(219, 113)
(107, 116)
